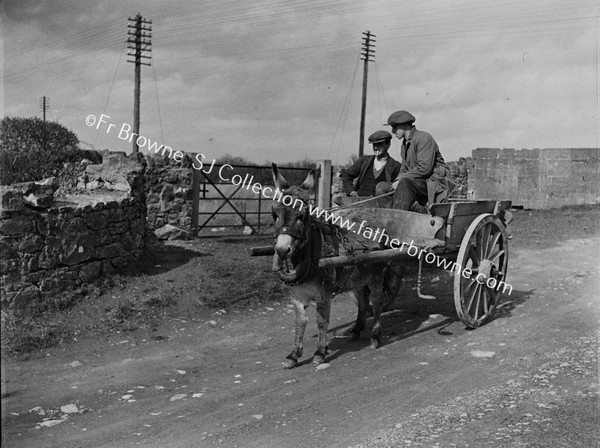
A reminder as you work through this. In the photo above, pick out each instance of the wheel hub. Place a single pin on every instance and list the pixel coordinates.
(486, 267)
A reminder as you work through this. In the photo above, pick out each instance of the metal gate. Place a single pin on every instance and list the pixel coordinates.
(232, 199)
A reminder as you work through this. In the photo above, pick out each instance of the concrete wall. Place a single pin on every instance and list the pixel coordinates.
(536, 178)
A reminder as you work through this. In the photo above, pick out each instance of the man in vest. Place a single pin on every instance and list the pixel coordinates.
(363, 177)
(424, 174)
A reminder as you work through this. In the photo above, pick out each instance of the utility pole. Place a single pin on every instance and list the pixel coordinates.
(139, 42)
(44, 105)
(367, 54)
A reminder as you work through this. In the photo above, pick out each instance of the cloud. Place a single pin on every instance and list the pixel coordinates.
(280, 80)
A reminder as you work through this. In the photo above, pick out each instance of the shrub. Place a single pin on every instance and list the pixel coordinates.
(234, 160)
(352, 160)
(304, 163)
(32, 149)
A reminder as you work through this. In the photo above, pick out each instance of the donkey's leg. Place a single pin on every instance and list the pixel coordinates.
(377, 299)
(323, 313)
(362, 298)
(300, 321)
(393, 275)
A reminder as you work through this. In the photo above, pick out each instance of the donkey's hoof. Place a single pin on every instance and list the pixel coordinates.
(318, 360)
(290, 363)
(353, 335)
(319, 356)
(375, 343)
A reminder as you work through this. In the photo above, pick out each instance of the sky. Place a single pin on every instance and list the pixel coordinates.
(281, 80)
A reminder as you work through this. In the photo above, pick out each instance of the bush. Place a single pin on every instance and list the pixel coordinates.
(234, 160)
(304, 163)
(352, 160)
(32, 149)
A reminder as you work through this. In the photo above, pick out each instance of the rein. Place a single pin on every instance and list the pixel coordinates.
(352, 204)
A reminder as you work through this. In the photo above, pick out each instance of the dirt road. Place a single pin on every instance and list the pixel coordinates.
(527, 379)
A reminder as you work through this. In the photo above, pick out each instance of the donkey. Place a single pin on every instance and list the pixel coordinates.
(299, 243)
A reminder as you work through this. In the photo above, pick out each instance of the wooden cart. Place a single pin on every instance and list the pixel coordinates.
(469, 236)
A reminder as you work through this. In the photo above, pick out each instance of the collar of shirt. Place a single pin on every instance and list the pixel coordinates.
(379, 163)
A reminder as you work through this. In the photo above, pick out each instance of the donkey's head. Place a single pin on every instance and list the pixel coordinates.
(292, 226)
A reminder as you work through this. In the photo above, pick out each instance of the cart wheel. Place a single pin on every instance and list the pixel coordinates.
(483, 251)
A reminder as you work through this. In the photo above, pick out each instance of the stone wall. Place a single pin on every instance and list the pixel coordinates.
(169, 192)
(536, 178)
(50, 244)
(169, 197)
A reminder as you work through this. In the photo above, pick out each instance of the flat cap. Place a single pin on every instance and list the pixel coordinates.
(400, 117)
(379, 136)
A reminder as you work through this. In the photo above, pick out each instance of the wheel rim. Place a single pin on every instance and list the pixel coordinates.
(484, 251)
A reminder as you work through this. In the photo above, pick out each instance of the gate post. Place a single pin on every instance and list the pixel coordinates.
(195, 199)
(324, 189)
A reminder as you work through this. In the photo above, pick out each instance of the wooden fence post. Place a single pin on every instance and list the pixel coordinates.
(324, 189)
(195, 200)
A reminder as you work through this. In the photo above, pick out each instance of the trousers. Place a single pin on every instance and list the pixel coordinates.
(408, 191)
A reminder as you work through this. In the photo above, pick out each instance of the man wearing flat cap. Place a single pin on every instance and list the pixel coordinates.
(424, 174)
(363, 177)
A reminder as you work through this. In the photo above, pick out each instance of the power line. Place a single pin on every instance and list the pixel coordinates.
(57, 66)
(343, 116)
(157, 103)
(379, 94)
(111, 86)
(105, 35)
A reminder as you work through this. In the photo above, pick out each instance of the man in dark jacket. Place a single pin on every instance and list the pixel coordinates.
(424, 174)
(362, 178)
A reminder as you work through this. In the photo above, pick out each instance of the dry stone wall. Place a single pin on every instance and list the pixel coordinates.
(169, 192)
(50, 244)
(169, 197)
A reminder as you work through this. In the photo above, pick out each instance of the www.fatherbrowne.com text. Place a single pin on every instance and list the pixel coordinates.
(380, 236)
(247, 182)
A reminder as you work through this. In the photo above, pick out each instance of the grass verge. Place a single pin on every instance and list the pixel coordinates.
(186, 280)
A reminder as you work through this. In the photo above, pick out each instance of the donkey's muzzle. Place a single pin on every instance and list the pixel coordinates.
(283, 251)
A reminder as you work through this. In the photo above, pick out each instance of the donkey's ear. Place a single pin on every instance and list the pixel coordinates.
(310, 181)
(278, 179)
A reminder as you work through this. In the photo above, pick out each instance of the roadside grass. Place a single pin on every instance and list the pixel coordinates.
(183, 279)
(24, 333)
(41, 325)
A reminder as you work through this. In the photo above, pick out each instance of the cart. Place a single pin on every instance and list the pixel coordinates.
(471, 237)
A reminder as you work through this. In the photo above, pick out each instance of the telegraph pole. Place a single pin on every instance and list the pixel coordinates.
(44, 105)
(139, 42)
(367, 54)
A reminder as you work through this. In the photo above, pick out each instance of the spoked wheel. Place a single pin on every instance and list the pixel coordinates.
(483, 259)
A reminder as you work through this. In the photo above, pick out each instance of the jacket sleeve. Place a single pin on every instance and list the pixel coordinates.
(402, 169)
(349, 174)
(426, 149)
(396, 171)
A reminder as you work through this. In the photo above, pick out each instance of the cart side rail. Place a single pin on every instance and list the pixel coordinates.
(458, 216)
